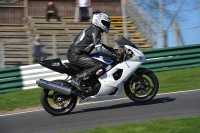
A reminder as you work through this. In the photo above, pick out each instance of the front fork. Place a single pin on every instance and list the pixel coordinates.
(137, 82)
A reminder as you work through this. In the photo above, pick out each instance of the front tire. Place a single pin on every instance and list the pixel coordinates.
(56, 103)
(141, 87)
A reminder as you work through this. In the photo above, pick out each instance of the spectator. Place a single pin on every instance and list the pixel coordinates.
(83, 9)
(52, 11)
(38, 49)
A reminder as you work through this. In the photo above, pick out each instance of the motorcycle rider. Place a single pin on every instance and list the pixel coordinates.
(84, 43)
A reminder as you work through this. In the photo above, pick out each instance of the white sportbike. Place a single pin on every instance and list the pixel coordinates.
(59, 97)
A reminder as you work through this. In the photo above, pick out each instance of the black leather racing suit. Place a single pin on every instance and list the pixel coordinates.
(84, 43)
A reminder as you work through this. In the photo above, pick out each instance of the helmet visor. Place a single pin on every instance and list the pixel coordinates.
(105, 23)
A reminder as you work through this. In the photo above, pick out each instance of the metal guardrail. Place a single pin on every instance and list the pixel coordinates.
(24, 77)
(173, 58)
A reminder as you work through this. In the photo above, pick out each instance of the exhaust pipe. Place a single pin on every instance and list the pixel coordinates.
(58, 88)
(52, 86)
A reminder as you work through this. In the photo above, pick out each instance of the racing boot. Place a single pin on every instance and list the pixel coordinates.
(77, 81)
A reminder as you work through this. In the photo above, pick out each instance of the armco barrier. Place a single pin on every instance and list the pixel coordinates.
(173, 58)
(24, 77)
(10, 79)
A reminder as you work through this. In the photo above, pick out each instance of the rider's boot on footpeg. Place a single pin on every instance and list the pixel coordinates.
(77, 81)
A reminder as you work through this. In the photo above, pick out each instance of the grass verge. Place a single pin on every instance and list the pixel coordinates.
(179, 80)
(170, 81)
(186, 125)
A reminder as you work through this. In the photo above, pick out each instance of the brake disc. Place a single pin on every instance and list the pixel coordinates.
(143, 87)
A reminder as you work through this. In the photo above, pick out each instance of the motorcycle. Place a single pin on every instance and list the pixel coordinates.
(60, 97)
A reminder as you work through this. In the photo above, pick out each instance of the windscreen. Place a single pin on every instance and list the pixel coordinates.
(123, 41)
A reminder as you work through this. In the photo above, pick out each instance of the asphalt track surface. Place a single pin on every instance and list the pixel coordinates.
(115, 112)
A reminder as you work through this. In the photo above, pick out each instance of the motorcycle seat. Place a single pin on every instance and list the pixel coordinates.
(70, 66)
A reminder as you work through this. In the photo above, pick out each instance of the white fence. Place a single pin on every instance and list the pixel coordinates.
(31, 73)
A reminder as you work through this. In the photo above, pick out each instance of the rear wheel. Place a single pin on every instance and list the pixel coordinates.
(141, 88)
(56, 103)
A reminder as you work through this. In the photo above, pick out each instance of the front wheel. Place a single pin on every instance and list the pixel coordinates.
(141, 87)
(56, 103)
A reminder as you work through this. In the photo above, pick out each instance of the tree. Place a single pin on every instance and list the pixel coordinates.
(169, 8)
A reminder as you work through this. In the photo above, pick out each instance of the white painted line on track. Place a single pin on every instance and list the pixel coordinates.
(97, 102)
(22, 112)
(178, 92)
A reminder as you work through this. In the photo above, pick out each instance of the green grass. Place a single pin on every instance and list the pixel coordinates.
(179, 80)
(20, 99)
(170, 81)
(187, 125)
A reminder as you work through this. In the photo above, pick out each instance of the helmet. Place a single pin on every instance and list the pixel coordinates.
(102, 21)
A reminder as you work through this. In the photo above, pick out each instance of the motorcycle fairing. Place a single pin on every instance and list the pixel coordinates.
(143, 71)
(105, 60)
(108, 83)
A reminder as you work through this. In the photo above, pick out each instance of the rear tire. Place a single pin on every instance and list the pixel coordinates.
(56, 103)
(147, 91)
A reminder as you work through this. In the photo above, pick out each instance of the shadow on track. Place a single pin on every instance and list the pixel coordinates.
(129, 104)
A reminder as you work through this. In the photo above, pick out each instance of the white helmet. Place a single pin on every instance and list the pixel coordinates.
(102, 21)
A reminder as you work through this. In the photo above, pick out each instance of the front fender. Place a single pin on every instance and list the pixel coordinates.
(143, 71)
